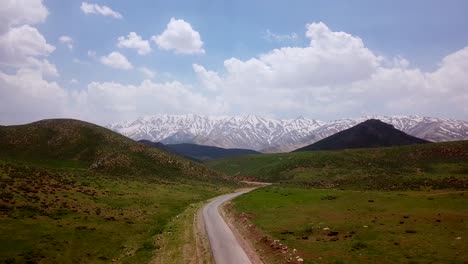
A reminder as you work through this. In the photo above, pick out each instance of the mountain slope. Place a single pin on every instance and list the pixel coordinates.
(368, 134)
(205, 153)
(273, 135)
(96, 149)
(434, 165)
(166, 148)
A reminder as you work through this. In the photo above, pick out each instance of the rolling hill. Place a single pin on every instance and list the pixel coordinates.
(198, 153)
(96, 148)
(371, 133)
(74, 192)
(434, 165)
(205, 153)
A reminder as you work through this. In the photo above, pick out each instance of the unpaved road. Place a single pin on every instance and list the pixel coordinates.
(226, 249)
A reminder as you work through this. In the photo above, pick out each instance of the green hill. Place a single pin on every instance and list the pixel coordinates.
(67, 142)
(434, 165)
(74, 192)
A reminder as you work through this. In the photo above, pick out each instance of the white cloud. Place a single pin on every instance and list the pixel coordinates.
(67, 40)
(74, 81)
(338, 76)
(112, 100)
(272, 36)
(20, 44)
(134, 41)
(88, 8)
(25, 96)
(116, 60)
(19, 12)
(208, 79)
(148, 73)
(180, 37)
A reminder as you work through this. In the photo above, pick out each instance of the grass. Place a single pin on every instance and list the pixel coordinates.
(72, 216)
(74, 192)
(437, 166)
(181, 242)
(348, 226)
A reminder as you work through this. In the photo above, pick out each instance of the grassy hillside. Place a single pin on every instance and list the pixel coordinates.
(74, 192)
(435, 165)
(84, 145)
(205, 153)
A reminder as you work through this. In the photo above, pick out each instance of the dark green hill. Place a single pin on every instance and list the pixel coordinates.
(198, 153)
(167, 148)
(205, 153)
(95, 148)
(435, 165)
(369, 134)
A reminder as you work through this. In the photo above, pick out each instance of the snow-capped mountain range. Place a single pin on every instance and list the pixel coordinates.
(273, 135)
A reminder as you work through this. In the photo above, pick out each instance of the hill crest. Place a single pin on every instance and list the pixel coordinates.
(368, 134)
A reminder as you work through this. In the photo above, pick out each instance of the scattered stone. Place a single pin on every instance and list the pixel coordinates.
(458, 238)
(332, 233)
(410, 231)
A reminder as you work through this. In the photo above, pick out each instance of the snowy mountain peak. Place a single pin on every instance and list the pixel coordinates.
(273, 135)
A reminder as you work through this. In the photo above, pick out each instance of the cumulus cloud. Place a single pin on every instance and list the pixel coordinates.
(15, 13)
(111, 99)
(25, 96)
(67, 40)
(180, 37)
(88, 8)
(20, 44)
(336, 75)
(134, 41)
(208, 79)
(117, 61)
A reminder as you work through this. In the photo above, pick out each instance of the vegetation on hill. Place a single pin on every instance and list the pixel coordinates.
(434, 165)
(205, 153)
(368, 134)
(198, 153)
(95, 148)
(74, 192)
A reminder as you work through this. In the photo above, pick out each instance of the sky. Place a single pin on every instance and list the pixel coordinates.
(108, 61)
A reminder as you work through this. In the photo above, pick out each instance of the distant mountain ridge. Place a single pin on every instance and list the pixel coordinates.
(198, 153)
(371, 133)
(273, 135)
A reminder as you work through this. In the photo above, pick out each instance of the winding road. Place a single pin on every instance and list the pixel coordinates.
(226, 249)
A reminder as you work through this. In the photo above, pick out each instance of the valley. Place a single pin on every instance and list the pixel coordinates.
(76, 192)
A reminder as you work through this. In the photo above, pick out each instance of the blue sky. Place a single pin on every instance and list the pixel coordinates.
(408, 37)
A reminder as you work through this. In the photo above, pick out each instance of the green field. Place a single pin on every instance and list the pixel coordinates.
(437, 166)
(383, 205)
(69, 216)
(344, 226)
